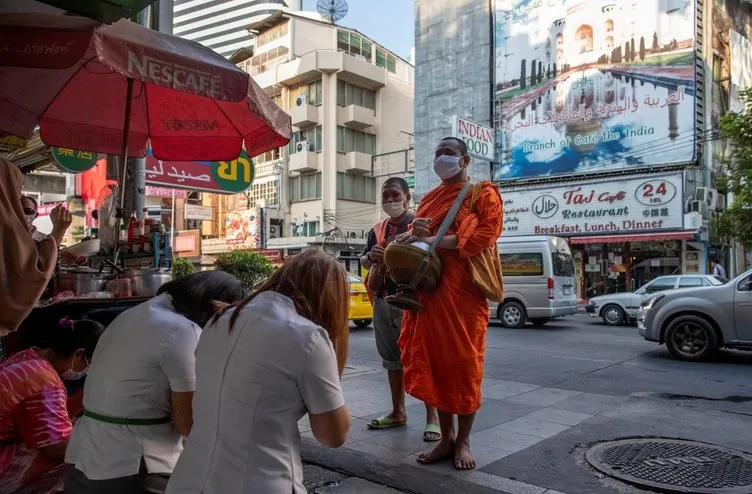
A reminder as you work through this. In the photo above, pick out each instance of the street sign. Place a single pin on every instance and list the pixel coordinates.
(73, 160)
(220, 177)
(410, 179)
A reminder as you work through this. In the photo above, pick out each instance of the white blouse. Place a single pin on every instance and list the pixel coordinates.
(144, 354)
(253, 385)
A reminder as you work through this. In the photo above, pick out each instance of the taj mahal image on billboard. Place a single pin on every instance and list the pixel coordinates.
(593, 85)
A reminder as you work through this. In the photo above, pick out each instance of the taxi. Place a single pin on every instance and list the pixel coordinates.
(361, 311)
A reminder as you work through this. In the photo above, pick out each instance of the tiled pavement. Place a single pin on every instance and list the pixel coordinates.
(514, 416)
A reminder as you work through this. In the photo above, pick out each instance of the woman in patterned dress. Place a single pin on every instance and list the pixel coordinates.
(34, 421)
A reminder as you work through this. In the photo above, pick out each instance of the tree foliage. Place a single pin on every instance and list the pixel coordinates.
(251, 268)
(735, 222)
(181, 267)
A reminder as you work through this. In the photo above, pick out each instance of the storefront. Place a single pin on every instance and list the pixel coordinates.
(623, 233)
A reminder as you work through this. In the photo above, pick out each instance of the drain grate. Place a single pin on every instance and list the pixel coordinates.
(674, 465)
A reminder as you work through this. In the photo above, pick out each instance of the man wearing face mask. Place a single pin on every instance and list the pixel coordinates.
(387, 320)
(443, 345)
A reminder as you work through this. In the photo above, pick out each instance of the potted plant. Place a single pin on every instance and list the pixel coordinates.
(251, 268)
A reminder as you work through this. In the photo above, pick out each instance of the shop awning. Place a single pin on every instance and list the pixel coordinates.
(636, 237)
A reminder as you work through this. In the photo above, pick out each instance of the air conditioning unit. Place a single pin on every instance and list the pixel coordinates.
(301, 146)
(712, 197)
(274, 231)
(720, 202)
(700, 207)
(302, 100)
(702, 194)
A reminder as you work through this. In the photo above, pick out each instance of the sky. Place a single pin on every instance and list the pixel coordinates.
(390, 23)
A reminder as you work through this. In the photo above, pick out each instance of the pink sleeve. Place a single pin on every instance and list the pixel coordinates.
(42, 418)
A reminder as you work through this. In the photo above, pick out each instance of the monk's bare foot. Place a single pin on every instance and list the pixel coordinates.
(463, 460)
(442, 451)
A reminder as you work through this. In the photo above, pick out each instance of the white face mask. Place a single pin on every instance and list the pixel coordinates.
(71, 375)
(446, 166)
(393, 209)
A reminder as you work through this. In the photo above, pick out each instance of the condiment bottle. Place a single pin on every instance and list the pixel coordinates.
(132, 228)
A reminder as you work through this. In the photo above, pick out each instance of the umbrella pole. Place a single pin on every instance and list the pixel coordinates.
(124, 163)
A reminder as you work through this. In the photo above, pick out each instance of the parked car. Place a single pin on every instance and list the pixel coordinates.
(696, 322)
(539, 282)
(619, 308)
(361, 311)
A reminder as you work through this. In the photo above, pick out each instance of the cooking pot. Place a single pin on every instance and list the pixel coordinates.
(81, 281)
(146, 282)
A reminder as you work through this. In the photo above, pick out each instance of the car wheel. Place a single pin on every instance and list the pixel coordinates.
(363, 323)
(512, 315)
(691, 338)
(539, 321)
(613, 315)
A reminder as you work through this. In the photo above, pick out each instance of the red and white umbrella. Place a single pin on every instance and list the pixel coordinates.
(119, 88)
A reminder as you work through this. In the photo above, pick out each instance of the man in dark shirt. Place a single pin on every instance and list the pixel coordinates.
(387, 320)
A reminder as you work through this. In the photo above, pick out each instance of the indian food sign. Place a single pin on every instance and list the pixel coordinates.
(644, 204)
(479, 138)
(584, 86)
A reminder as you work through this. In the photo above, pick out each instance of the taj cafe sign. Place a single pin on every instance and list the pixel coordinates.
(645, 204)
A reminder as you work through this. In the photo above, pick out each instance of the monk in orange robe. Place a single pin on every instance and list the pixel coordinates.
(443, 346)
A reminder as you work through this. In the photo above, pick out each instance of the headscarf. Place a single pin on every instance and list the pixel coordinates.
(25, 265)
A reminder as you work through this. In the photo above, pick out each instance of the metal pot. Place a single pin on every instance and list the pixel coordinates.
(80, 282)
(145, 283)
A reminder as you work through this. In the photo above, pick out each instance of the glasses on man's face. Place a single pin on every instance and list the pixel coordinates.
(29, 212)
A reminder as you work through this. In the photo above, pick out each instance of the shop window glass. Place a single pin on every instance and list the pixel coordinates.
(523, 264)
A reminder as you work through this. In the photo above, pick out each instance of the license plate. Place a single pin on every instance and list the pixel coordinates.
(567, 290)
(365, 297)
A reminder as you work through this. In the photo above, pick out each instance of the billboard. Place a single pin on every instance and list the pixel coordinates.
(243, 229)
(644, 204)
(588, 86)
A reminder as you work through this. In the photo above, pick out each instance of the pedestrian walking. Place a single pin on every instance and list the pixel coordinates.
(443, 346)
(717, 268)
(387, 320)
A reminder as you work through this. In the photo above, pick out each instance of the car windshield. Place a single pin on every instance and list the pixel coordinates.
(717, 280)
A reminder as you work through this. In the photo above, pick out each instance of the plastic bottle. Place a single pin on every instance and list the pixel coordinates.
(132, 228)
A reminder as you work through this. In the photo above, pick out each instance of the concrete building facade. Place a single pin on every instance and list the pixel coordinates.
(351, 105)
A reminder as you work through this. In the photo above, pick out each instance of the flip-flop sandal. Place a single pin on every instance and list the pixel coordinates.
(385, 423)
(429, 430)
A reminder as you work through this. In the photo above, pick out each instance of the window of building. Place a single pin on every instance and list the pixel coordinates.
(347, 94)
(269, 59)
(359, 188)
(306, 187)
(272, 34)
(523, 264)
(386, 60)
(312, 91)
(307, 229)
(349, 140)
(311, 136)
(268, 191)
(272, 155)
(354, 44)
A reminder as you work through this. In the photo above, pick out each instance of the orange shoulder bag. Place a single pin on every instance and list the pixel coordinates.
(486, 266)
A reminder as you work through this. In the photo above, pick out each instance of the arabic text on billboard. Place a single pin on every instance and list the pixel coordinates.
(588, 85)
(648, 203)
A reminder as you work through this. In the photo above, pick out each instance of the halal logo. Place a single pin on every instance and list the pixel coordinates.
(545, 206)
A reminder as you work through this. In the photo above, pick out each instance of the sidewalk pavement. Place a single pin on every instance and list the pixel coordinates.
(388, 457)
(321, 481)
(527, 439)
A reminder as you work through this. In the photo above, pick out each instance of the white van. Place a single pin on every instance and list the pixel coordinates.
(539, 280)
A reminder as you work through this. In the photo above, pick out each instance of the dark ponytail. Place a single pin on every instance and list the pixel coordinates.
(70, 335)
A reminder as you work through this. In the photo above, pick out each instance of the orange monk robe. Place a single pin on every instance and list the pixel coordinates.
(443, 346)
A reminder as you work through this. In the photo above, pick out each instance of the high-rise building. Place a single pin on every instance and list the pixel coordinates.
(222, 24)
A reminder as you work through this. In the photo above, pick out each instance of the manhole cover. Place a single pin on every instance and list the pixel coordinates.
(674, 466)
